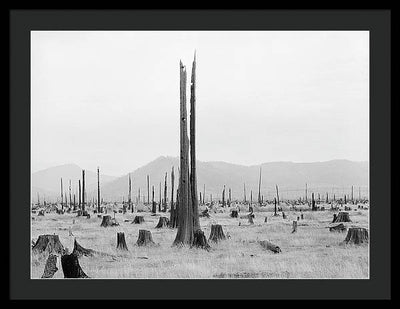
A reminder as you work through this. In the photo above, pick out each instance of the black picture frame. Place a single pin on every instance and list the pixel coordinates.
(377, 22)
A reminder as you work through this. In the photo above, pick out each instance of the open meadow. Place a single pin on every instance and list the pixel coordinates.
(313, 251)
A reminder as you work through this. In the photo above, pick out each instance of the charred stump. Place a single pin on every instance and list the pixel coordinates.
(71, 268)
(49, 244)
(265, 219)
(294, 227)
(200, 241)
(217, 233)
(138, 220)
(121, 244)
(80, 251)
(341, 217)
(270, 246)
(357, 235)
(251, 217)
(145, 238)
(162, 222)
(234, 214)
(108, 221)
(51, 266)
(41, 213)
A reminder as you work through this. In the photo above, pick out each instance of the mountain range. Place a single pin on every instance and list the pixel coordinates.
(332, 177)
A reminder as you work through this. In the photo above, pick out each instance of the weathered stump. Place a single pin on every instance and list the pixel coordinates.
(200, 241)
(357, 235)
(71, 268)
(341, 217)
(138, 220)
(234, 214)
(294, 227)
(108, 221)
(145, 238)
(283, 215)
(48, 244)
(121, 244)
(162, 222)
(270, 246)
(217, 233)
(51, 266)
(41, 213)
(251, 216)
(266, 219)
(337, 228)
(79, 250)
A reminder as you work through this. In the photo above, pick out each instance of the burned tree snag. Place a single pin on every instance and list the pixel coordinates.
(259, 188)
(217, 234)
(71, 268)
(80, 194)
(121, 244)
(223, 197)
(148, 190)
(153, 203)
(275, 213)
(51, 266)
(145, 238)
(185, 231)
(277, 194)
(129, 193)
(98, 191)
(200, 241)
(165, 194)
(172, 218)
(356, 235)
(313, 207)
(83, 190)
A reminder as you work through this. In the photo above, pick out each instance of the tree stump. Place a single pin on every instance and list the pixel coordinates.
(138, 220)
(217, 233)
(283, 215)
(270, 246)
(356, 235)
(251, 217)
(337, 228)
(145, 238)
(51, 266)
(71, 268)
(79, 250)
(294, 226)
(200, 241)
(162, 222)
(41, 213)
(234, 214)
(121, 244)
(302, 216)
(48, 244)
(341, 217)
(265, 219)
(108, 221)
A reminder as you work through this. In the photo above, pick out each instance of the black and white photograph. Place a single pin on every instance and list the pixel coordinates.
(195, 154)
(172, 154)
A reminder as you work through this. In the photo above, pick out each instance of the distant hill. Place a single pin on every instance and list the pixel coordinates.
(336, 176)
(47, 182)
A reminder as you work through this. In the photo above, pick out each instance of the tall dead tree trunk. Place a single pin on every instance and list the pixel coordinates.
(193, 171)
(277, 193)
(148, 190)
(172, 206)
(153, 203)
(98, 191)
(244, 192)
(259, 188)
(165, 194)
(130, 193)
(70, 199)
(83, 191)
(62, 198)
(185, 233)
(223, 197)
(80, 194)
(204, 193)
(160, 199)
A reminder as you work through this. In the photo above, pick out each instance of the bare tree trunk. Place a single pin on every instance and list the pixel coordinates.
(148, 189)
(184, 235)
(244, 192)
(70, 199)
(80, 194)
(62, 198)
(98, 191)
(259, 188)
(83, 190)
(277, 193)
(130, 192)
(165, 194)
(154, 206)
(223, 197)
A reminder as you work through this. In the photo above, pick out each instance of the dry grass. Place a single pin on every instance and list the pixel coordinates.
(312, 252)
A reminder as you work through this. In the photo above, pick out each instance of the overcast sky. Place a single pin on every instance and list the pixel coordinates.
(111, 99)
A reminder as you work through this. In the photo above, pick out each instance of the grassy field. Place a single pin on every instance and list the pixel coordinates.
(312, 252)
